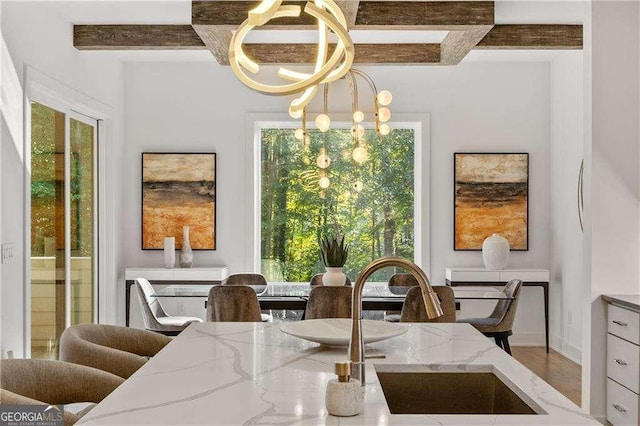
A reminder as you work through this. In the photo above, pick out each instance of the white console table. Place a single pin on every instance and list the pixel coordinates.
(481, 276)
(208, 275)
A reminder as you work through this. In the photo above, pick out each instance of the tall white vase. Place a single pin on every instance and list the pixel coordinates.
(495, 252)
(186, 254)
(169, 252)
(334, 277)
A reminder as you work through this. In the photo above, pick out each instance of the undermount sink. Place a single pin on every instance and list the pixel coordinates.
(444, 389)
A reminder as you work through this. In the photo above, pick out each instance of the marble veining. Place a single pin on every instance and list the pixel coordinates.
(253, 374)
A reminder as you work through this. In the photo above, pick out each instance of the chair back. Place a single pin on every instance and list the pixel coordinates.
(505, 310)
(413, 309)
(401, 283)
(149, 305)
(246, 279)
(329, 302)
(233, 303)
(316, 280)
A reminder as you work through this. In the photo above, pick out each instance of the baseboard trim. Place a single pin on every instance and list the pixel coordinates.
(537, 339)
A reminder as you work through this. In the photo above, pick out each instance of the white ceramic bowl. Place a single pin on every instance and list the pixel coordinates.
(337, 331)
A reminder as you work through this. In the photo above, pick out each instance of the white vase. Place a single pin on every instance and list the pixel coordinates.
(334, 277)
(186, 254)
(169, 252)
(495, 252)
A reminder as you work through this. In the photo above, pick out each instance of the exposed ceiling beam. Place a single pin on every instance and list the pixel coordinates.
(457, 44)
(533, 36)
(136, 37)
(408, 53)
(428, 14)
(350, 10)
(217, 39)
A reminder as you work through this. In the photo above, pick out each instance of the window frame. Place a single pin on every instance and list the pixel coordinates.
(419, 123)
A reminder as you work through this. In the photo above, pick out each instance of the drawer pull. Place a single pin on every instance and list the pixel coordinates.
(620, 323)
(619, 408)
(619, 361)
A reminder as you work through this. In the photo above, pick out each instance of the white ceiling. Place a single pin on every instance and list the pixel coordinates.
(179, 12)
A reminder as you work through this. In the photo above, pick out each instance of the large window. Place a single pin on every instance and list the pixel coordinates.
(371, 204)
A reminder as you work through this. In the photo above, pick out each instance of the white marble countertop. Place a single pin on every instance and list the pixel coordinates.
(629, 301)
(253, 374)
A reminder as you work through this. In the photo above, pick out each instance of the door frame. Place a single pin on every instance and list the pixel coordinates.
(55, 94)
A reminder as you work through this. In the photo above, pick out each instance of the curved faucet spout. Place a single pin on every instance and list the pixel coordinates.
(431, 302)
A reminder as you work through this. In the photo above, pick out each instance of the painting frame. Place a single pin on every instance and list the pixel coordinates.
(190, 194)
(456, 224)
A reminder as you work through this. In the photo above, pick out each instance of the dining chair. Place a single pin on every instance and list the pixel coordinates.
(233, 303)
(47, 382)
(413, 309)
(316, 280)
(154, 316)
(329, 302)
(499, 324)
(256, 281)
(117, 350)
(399, 284)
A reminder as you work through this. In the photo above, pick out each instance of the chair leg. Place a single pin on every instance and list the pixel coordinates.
(498, 342)
(505, 342)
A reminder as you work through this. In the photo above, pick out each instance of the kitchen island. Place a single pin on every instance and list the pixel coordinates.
(252, 373)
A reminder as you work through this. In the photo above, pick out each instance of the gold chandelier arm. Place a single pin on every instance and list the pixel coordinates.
(264, 12)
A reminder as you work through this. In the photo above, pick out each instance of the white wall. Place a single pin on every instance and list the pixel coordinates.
(612, 150)
(568, 285)
(485, 107)
(49, 50)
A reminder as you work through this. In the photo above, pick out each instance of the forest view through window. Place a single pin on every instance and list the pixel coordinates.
(371, 204)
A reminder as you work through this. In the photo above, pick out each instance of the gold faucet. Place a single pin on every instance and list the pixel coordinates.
(431, 302)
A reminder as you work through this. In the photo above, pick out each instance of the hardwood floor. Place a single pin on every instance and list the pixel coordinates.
(560, 372)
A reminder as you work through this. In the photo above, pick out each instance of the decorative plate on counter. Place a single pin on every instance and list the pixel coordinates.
(337, 331)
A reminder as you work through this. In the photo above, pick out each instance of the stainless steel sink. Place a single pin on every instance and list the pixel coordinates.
(428, 389)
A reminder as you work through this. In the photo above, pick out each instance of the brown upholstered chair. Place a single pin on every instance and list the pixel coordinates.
(256, 281)
(233, 303)
(316, 280)
(118, 350)
(154, 316)
(499, 324)
(329, 302)
(39, 382)
(413, 309)
(399, 283)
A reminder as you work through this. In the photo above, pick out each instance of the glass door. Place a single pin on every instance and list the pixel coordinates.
(63, 225)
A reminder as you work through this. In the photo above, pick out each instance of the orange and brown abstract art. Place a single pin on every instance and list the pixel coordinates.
(178, 190)
(491, 197)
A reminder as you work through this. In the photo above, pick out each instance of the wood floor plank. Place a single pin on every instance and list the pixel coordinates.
(560, 372)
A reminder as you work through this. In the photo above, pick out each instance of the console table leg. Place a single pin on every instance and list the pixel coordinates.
(127, 302)
(545, 287)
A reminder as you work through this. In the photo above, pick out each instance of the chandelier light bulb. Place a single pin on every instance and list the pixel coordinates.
(323, 122)
(360, 155)
(385, 98)
(323, 161)
(324, 182)
(385, 129)
(307, 141)
(357, 186)
(295, 113)
(357, 130)
(299, 134)
(384, 114)
(358, 116)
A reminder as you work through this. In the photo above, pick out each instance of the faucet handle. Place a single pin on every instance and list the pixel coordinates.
(343, 370)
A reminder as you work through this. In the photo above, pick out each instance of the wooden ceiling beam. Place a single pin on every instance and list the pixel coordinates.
(457, 44)
(408, 53)
(217, 39)
(533, 36)
(427, 14)
(136, 37)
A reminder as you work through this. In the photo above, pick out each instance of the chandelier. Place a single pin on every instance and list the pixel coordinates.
(359, 154)
(326, 68)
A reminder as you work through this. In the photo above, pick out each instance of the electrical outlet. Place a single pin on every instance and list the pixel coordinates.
(7, 252)
(181, 308)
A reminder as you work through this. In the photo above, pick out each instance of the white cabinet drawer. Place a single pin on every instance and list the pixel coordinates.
(526, 276)
(624, 323)
(623, 362)
(622, 405)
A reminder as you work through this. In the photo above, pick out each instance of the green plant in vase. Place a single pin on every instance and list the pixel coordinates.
(334, 253)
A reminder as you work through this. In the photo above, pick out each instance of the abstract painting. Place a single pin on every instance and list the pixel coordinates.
(491, 197)
(178, 190)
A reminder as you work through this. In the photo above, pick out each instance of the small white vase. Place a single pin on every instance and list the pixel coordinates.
(334, 277)
(495, 252)
(186, 254)
(169, 252)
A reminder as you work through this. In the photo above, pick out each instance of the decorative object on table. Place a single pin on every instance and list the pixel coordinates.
(334, 254)
(491, 197)
(343, 397)
(495, 252)
(186, 254)
(178, 188)
(169, 252)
